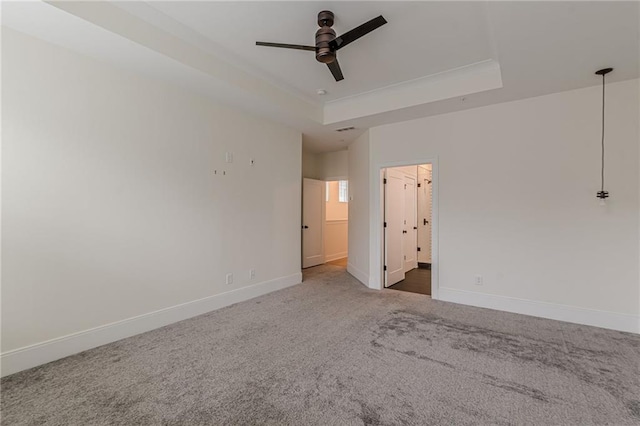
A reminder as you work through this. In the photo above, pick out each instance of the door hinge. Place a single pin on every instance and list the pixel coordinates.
(418, 248)
(384, 181)
(385, 267)
(405, 186)
(385, 224)
(419, 185)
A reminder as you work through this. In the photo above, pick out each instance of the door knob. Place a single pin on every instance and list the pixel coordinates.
(415, 227)
(404, 231)
(425, 221)
(305, 227)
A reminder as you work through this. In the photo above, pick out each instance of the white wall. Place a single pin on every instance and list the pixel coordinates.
(326, 165)
(112, 208)
(310, 165)
(359, 187)
(517, 184)
(334, 165)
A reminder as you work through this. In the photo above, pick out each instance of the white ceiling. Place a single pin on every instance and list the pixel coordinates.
(420, 39)
(533, 48)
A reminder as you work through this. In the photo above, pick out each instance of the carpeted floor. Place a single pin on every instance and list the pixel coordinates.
(332, 352)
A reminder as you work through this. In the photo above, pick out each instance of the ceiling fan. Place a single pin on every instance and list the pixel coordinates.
(327, 44)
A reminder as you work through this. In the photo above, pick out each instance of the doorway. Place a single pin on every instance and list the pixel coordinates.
(407, 220)
(325, 221)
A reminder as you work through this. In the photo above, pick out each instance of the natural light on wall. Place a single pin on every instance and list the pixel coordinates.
(336, 220)
(337, 197)
(343, 191)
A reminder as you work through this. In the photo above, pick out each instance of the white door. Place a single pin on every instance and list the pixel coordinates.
(425, 192)
(313, 208)
(410, 230)
(394, 225)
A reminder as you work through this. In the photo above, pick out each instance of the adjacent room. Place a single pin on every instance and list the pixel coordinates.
(407, 222)
(320, 213)
(337, 221)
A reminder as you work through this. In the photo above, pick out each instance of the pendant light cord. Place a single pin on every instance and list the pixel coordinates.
(602, 168)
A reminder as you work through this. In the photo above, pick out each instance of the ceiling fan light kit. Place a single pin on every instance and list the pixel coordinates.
(327, 44)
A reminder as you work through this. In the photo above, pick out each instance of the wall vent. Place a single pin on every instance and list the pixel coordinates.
(344, 129)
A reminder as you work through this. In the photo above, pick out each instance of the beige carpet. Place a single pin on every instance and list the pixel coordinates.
(331, 352)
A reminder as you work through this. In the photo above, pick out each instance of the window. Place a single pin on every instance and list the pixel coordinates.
(343, 191)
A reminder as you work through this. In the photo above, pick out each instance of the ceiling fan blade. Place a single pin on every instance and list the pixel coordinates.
(286, 46)
(334, 67)
(356, 33)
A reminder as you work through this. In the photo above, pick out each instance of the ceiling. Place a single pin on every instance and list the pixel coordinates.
(391, 54)
(431, 57)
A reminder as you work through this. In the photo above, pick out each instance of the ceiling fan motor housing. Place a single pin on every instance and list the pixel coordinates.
(324, 35)
(324, 53)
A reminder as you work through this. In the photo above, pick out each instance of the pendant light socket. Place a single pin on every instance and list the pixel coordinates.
(604, 71)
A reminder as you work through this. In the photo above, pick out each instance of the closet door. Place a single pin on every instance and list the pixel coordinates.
(393, 231)
(410, 225)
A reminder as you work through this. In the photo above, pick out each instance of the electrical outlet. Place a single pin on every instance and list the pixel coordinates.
(229, 278)
(229, 157)
(252, 274)
(252, 162)
(479, 280)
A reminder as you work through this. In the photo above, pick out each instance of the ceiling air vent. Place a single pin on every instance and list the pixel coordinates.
(344, 129)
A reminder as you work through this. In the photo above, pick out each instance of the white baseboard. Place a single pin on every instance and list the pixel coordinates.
(358, 274)
(336, 256)
(611, 320)
(51, 350)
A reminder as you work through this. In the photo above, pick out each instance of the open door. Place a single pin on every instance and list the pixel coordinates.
(313, 211)
(410, 230)
(393, 227)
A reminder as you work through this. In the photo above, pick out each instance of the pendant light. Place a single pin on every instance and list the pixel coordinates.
(602, 194)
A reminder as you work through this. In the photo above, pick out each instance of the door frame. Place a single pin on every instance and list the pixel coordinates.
(430, 220)
(377, 222)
